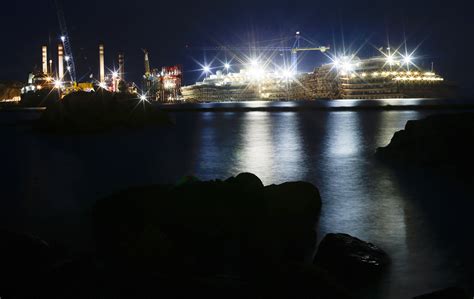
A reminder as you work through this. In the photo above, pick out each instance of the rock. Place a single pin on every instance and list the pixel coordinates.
(349, 258)
(23, 260)
(248, 181)
(40, 98)
(88, 112)
(295, 280)
(288, 229)
(449, 293)
(438, 141)
(209, 226)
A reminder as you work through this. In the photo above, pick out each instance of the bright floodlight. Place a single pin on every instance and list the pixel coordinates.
(288, 73)
(390, 60)
(407, 59)
(206, 69)
(58, 84)
(115, 74)
(337, 62)
(347, 67)
(254, 62)
(227, 66)
(142, 97)
(103, 85)
(63, 38)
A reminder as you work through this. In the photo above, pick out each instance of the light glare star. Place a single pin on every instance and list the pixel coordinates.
(407, 59)
(58, 84)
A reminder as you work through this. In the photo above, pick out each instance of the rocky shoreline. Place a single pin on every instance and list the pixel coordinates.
(219, 239)
(83, 112)
(444, 142)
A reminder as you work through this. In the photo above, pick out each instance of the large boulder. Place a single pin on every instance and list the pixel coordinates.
(209, 226)
(438, 141)
(289, 226)
(449, 293)
(23, 261)
(350, 258)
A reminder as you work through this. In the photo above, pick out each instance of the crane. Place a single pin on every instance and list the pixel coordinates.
(71, 68)
(293, 49)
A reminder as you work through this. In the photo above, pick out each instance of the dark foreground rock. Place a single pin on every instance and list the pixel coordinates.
(437, 141)
(245, 239)
(449, 293)
(210, 226)
(23, 258)
(85, 112)
(350, 259)
(214, 239)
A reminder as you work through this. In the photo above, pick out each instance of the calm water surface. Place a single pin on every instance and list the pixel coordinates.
(422, 220)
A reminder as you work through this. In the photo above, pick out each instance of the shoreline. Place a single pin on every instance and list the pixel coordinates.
(294, 106)
(316, 108)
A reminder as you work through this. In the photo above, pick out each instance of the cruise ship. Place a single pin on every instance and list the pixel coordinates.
(381, 77)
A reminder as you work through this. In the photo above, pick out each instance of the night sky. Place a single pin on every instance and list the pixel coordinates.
(444, 30)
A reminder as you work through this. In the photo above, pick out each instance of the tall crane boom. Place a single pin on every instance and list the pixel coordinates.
(71, 68)
(293, 50)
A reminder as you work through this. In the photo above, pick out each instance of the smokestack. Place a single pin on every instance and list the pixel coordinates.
(101, 64)
(45, 59)
(60, 62)
(147, 63)
(121, 61)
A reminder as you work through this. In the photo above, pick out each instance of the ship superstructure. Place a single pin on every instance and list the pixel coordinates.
(378, 77)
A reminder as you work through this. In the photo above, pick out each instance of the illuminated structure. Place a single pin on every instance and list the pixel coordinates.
(101, 64)
(60, 62)
(346, 77)
(44, 60)
(249, 84)
(379, 77)
(164, 85)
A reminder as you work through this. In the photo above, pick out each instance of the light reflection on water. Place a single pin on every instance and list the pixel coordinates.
(54, 180)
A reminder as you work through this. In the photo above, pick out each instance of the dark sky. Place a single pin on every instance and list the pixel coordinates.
(445, 30)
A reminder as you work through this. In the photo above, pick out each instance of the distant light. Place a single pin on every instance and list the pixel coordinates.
(63, 38)
(39, 87)
(227, 66)
(390, 60)
(115, 74)
(69, 68)
(288, 73)
(58, 84)
(103, 85)
(407, 59)
(297, 33)
(67, 58)
(142, 97)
